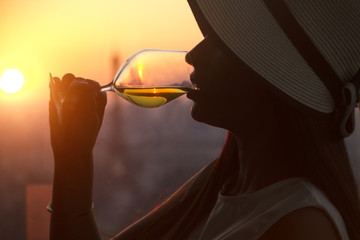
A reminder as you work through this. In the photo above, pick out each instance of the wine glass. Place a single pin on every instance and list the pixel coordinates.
(151, 78)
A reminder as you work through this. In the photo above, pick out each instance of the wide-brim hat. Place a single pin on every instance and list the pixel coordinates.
(256, 33)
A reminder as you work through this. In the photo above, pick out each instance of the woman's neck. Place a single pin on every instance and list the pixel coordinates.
(262, 161)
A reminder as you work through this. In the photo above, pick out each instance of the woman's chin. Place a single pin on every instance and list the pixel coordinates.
(213, 114)
(202, 113)
(195, 112)
(197, 109)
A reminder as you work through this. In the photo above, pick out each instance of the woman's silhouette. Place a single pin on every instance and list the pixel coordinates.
(282, 77)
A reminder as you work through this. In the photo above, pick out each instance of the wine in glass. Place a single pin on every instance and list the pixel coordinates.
(151, 78)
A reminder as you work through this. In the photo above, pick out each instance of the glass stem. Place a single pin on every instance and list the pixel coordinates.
(107, 87)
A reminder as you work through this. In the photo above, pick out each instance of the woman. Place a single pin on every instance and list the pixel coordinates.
(282, 78)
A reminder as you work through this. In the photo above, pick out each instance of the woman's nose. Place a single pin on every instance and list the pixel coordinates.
(200, 54)
(188, 58)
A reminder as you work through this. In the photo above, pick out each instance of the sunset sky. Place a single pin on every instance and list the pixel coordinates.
(42, 36)
(81, 37)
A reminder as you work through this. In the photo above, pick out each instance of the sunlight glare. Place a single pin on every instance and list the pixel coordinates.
(140, 72)
(11, 81)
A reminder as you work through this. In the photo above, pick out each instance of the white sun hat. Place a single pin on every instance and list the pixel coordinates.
(307, 49)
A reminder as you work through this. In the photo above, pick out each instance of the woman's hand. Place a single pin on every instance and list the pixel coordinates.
(76, 111)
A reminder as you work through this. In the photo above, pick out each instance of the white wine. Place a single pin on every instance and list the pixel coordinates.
(151, 97)
(151, 78)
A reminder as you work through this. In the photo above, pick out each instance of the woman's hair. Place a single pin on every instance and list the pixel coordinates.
(324, 162)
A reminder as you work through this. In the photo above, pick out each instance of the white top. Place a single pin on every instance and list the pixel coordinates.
(248, 216)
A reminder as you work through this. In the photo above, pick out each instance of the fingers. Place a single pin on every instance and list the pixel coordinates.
(83, 95)
(68, 77)
(101, 103)
(56, 80)
(53, 108)
(69, 81)
(66, 81)
(101, 96)
(79, 96)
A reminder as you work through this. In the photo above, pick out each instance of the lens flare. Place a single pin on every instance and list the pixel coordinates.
(140, 70)
(11, 81)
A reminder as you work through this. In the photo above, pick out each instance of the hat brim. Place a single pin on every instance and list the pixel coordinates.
(247, 32)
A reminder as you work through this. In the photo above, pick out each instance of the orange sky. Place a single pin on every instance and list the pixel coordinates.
(42, 36)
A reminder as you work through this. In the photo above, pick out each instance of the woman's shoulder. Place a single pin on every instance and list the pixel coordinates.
(309, 214)
(303, 224)
(290, 209)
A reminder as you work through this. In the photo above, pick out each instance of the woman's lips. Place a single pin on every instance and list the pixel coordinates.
(193, 94)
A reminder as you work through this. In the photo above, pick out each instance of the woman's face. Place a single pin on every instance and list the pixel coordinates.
(225, 89)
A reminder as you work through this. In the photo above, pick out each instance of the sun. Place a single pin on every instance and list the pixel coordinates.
(11, 81)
